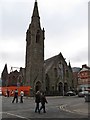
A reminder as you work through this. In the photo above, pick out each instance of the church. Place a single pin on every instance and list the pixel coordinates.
(50, 75)
(53, 76)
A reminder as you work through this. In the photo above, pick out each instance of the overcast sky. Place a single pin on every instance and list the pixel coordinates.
(66, 30)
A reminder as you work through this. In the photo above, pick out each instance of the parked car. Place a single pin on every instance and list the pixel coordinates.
(87, 96)
(0, 93)
(82, 94)
(70, 93)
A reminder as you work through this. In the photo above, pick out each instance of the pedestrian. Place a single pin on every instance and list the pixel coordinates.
(37, 100)
(43, 101)
(15, 96)
(8, 93)
(21, 96)
(5, 93)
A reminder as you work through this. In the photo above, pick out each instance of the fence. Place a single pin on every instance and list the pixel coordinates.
(26, 90)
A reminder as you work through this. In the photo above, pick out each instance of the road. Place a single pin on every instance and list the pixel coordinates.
(57, 107)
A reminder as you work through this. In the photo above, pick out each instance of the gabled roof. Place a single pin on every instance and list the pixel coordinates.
(49, 62)
(85, 69)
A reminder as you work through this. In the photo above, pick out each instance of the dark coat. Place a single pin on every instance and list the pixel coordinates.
(37, 98)
(16, 93)
(43, 99)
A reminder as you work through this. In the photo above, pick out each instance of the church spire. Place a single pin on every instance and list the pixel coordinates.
(35, 10)
(5, 68)
(70, 65)
(4, 76)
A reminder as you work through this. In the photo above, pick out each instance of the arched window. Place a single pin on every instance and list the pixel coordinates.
(55, 72)
(28, 37)
(38, 36)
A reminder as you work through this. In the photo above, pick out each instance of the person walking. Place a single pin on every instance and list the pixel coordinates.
(8, 93)
(37, 100)
(15, 96)
(43, 101)
(21, 96)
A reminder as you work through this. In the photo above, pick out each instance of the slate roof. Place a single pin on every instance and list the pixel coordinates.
(49, 62)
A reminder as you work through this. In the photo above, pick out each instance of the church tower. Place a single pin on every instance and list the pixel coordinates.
(34, 64)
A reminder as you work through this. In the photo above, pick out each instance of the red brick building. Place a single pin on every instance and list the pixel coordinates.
(75, 76)
(84, 78)
(14, 78)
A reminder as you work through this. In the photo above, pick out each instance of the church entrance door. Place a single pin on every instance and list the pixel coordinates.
(60, 88)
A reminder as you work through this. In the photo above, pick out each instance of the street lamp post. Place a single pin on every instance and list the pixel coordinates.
(63, 88)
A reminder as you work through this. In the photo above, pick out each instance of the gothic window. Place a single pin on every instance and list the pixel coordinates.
(38, 36)
(52, 88)
(55, 71)
(67, 74)
(28, 37)
(59, 65)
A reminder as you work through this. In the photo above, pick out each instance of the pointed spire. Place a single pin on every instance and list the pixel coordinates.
(35, 10)
(4, 75)
(69, 63)
(5, 68)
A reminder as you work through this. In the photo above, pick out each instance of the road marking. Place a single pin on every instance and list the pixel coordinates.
(15, 115)
(63, 107)
(21, 110)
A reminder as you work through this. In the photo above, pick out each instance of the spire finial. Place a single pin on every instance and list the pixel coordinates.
(35, 10)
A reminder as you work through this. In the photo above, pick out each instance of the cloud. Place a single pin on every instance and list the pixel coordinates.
(14, 20)
(65, 23)
(80, 57)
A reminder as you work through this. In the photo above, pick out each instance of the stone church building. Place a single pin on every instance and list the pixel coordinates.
(53, 75)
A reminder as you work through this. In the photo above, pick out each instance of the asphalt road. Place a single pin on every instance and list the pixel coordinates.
(57, 107)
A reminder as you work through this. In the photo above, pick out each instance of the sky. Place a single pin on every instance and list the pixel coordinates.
(66, 30)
